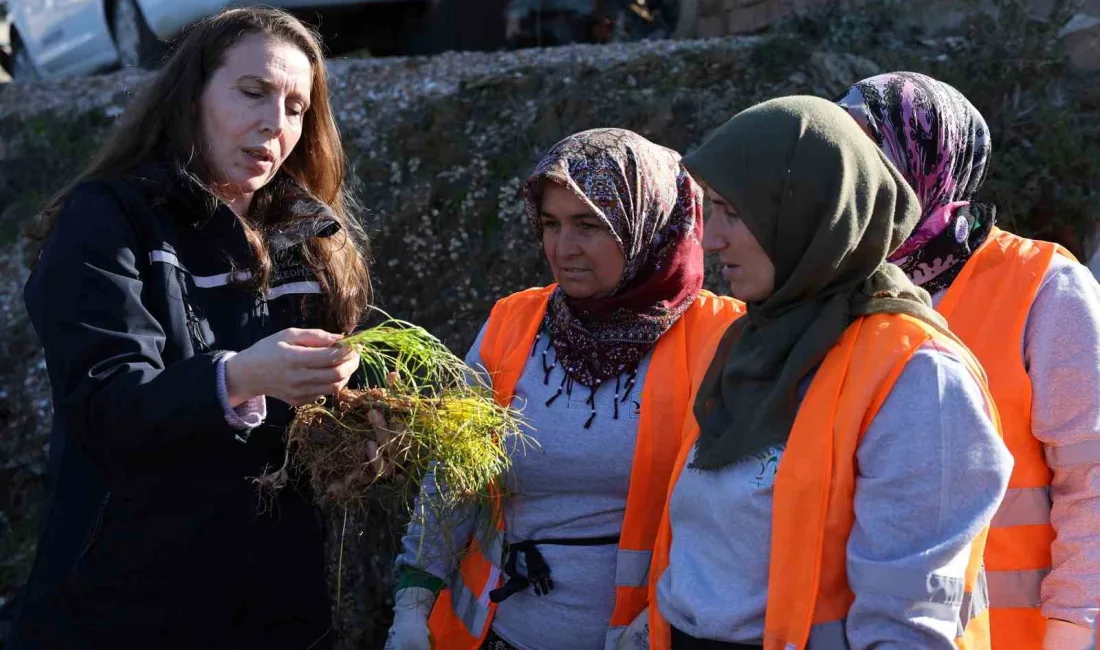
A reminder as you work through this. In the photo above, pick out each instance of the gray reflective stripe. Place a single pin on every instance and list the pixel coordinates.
(201, 281)
(492, 549)
(611, 641)
(632, 568)
(165, 257)
(219, 280)
(293, 288)
(1009, 589)
(1023, 507)
(906, 584)
(470, 608)
(974, 603)
(827, 636)
(472, 614)
(492, 546)
(1086, 451)
(224, 279)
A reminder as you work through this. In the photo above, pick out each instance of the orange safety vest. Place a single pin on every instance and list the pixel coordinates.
(987, 306)
(813, 511)
(463, 613)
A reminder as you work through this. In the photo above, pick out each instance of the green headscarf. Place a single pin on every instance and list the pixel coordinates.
(827, 208)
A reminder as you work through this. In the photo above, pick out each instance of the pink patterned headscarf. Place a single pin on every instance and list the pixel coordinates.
(934, 136)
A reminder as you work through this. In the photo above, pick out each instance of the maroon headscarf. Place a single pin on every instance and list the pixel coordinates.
(655, 211)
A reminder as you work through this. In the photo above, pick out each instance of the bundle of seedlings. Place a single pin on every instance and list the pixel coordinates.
(432, 413)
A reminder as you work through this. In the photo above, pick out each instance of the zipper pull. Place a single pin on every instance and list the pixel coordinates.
(194, 328)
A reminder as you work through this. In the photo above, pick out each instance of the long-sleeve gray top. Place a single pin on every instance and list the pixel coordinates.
(932, 471)
(1061, 352)
(573, 485)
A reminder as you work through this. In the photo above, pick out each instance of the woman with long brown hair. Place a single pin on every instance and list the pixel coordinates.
(190, 286)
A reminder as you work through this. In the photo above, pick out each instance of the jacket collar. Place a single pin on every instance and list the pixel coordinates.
(170, 188)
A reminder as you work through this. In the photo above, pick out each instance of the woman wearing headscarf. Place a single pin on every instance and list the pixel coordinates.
(599, 363)
(843, 459)
(1031, 315)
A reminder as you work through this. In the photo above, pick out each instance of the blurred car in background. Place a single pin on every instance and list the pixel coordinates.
(60, 38)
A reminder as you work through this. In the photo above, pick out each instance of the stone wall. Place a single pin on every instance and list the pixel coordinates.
(711, 18)
(439, 147)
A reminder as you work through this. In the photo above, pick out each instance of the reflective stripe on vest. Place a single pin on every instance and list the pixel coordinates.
(974, 603)
(852, 384)
(810, 588)
(505, 350)
(987, 306)
(1023, 507)
(632, 568)
(467, 608)
(470, 608)
(833, 635)
(1012, 589)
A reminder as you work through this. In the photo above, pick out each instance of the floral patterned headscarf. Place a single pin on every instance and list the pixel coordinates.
(654, 210)
(941, 145)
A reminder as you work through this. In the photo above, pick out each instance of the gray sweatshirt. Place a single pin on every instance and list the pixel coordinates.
(573, 485)
(1061, 351)
(932, 470)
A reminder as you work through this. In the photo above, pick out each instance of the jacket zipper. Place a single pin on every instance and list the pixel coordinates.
(261, 314)
(97, 526)
(195, 328)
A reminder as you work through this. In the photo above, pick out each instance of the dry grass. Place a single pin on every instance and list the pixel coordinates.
(433, 414)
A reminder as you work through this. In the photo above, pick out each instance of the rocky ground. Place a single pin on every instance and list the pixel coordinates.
(439, 147)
